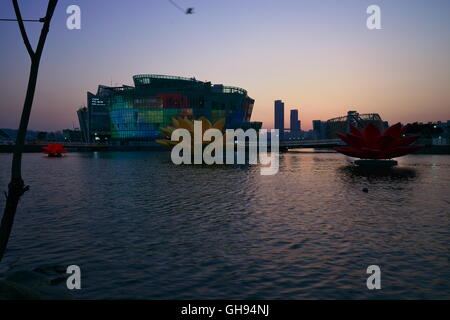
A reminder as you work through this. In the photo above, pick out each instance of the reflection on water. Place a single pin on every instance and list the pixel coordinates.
(141, 227)
(393, 173)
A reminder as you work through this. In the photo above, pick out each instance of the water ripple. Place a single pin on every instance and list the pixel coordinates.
(141, 227)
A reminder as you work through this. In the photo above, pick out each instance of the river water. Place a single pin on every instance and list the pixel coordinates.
(140, 227)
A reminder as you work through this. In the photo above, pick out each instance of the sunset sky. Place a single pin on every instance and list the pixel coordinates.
(315, 55)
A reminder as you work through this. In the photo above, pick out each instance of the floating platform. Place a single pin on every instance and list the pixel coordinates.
(376, 163)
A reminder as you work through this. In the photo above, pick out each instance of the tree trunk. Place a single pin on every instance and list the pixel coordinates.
(16, 187)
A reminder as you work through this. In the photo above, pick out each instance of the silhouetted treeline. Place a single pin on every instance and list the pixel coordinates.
(11, 134)
(426, 130)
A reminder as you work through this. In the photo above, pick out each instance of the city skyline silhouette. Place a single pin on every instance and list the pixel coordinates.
(319, 58)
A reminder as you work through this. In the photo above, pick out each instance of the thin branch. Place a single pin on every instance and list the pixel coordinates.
(186, 11)
(177, 6)
(24, 20)
(23, 32)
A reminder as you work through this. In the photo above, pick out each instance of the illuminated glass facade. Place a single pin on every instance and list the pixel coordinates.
(136, 113)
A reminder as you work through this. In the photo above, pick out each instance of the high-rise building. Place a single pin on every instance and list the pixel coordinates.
(279, 116)
(295, 123)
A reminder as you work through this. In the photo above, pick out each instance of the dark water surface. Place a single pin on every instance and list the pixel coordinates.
(141, 227)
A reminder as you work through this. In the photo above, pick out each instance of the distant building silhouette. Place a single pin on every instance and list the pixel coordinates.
(72, 135)
(319, 129)
(4, 135)
(295, 123)
(328, 129)
(354, 118)
(279, 116)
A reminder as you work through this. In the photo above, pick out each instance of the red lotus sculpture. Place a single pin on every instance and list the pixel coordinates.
(55, 149)
(370, 143)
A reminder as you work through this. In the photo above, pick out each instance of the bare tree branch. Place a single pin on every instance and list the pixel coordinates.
(23, 32)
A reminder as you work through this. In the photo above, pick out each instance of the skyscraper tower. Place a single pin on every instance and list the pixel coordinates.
(279, 116)
(295, 123)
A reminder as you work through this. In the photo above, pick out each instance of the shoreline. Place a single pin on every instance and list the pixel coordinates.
(37, 148)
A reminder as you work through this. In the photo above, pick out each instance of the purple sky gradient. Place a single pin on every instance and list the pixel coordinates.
(315, 55)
